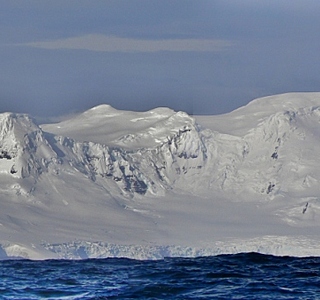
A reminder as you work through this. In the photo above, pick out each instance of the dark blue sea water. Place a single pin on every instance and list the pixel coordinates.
(241, 276)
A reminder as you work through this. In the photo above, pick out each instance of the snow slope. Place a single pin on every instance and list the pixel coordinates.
(162, 183)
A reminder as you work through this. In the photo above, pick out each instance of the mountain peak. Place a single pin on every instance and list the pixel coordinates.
(14, 127)
(103, 109)
(23, 148)
(281, 102)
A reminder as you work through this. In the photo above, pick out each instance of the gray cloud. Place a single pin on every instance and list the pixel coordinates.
(102, 43)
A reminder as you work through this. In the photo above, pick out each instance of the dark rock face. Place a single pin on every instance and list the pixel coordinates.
(5, 155)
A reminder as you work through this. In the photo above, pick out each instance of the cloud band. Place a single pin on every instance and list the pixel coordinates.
(102, 43)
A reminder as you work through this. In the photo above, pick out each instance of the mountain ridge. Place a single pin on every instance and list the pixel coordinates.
(149, 173)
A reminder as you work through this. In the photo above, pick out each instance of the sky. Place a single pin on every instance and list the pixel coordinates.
(200, 56)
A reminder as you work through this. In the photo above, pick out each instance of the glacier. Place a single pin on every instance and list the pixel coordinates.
(147, 185)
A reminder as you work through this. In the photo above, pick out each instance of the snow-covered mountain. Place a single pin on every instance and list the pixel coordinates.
(162, 183)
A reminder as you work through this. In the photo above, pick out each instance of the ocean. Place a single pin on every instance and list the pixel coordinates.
(240, 276)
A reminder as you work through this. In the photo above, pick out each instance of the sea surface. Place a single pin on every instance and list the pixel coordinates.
(241, 276)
